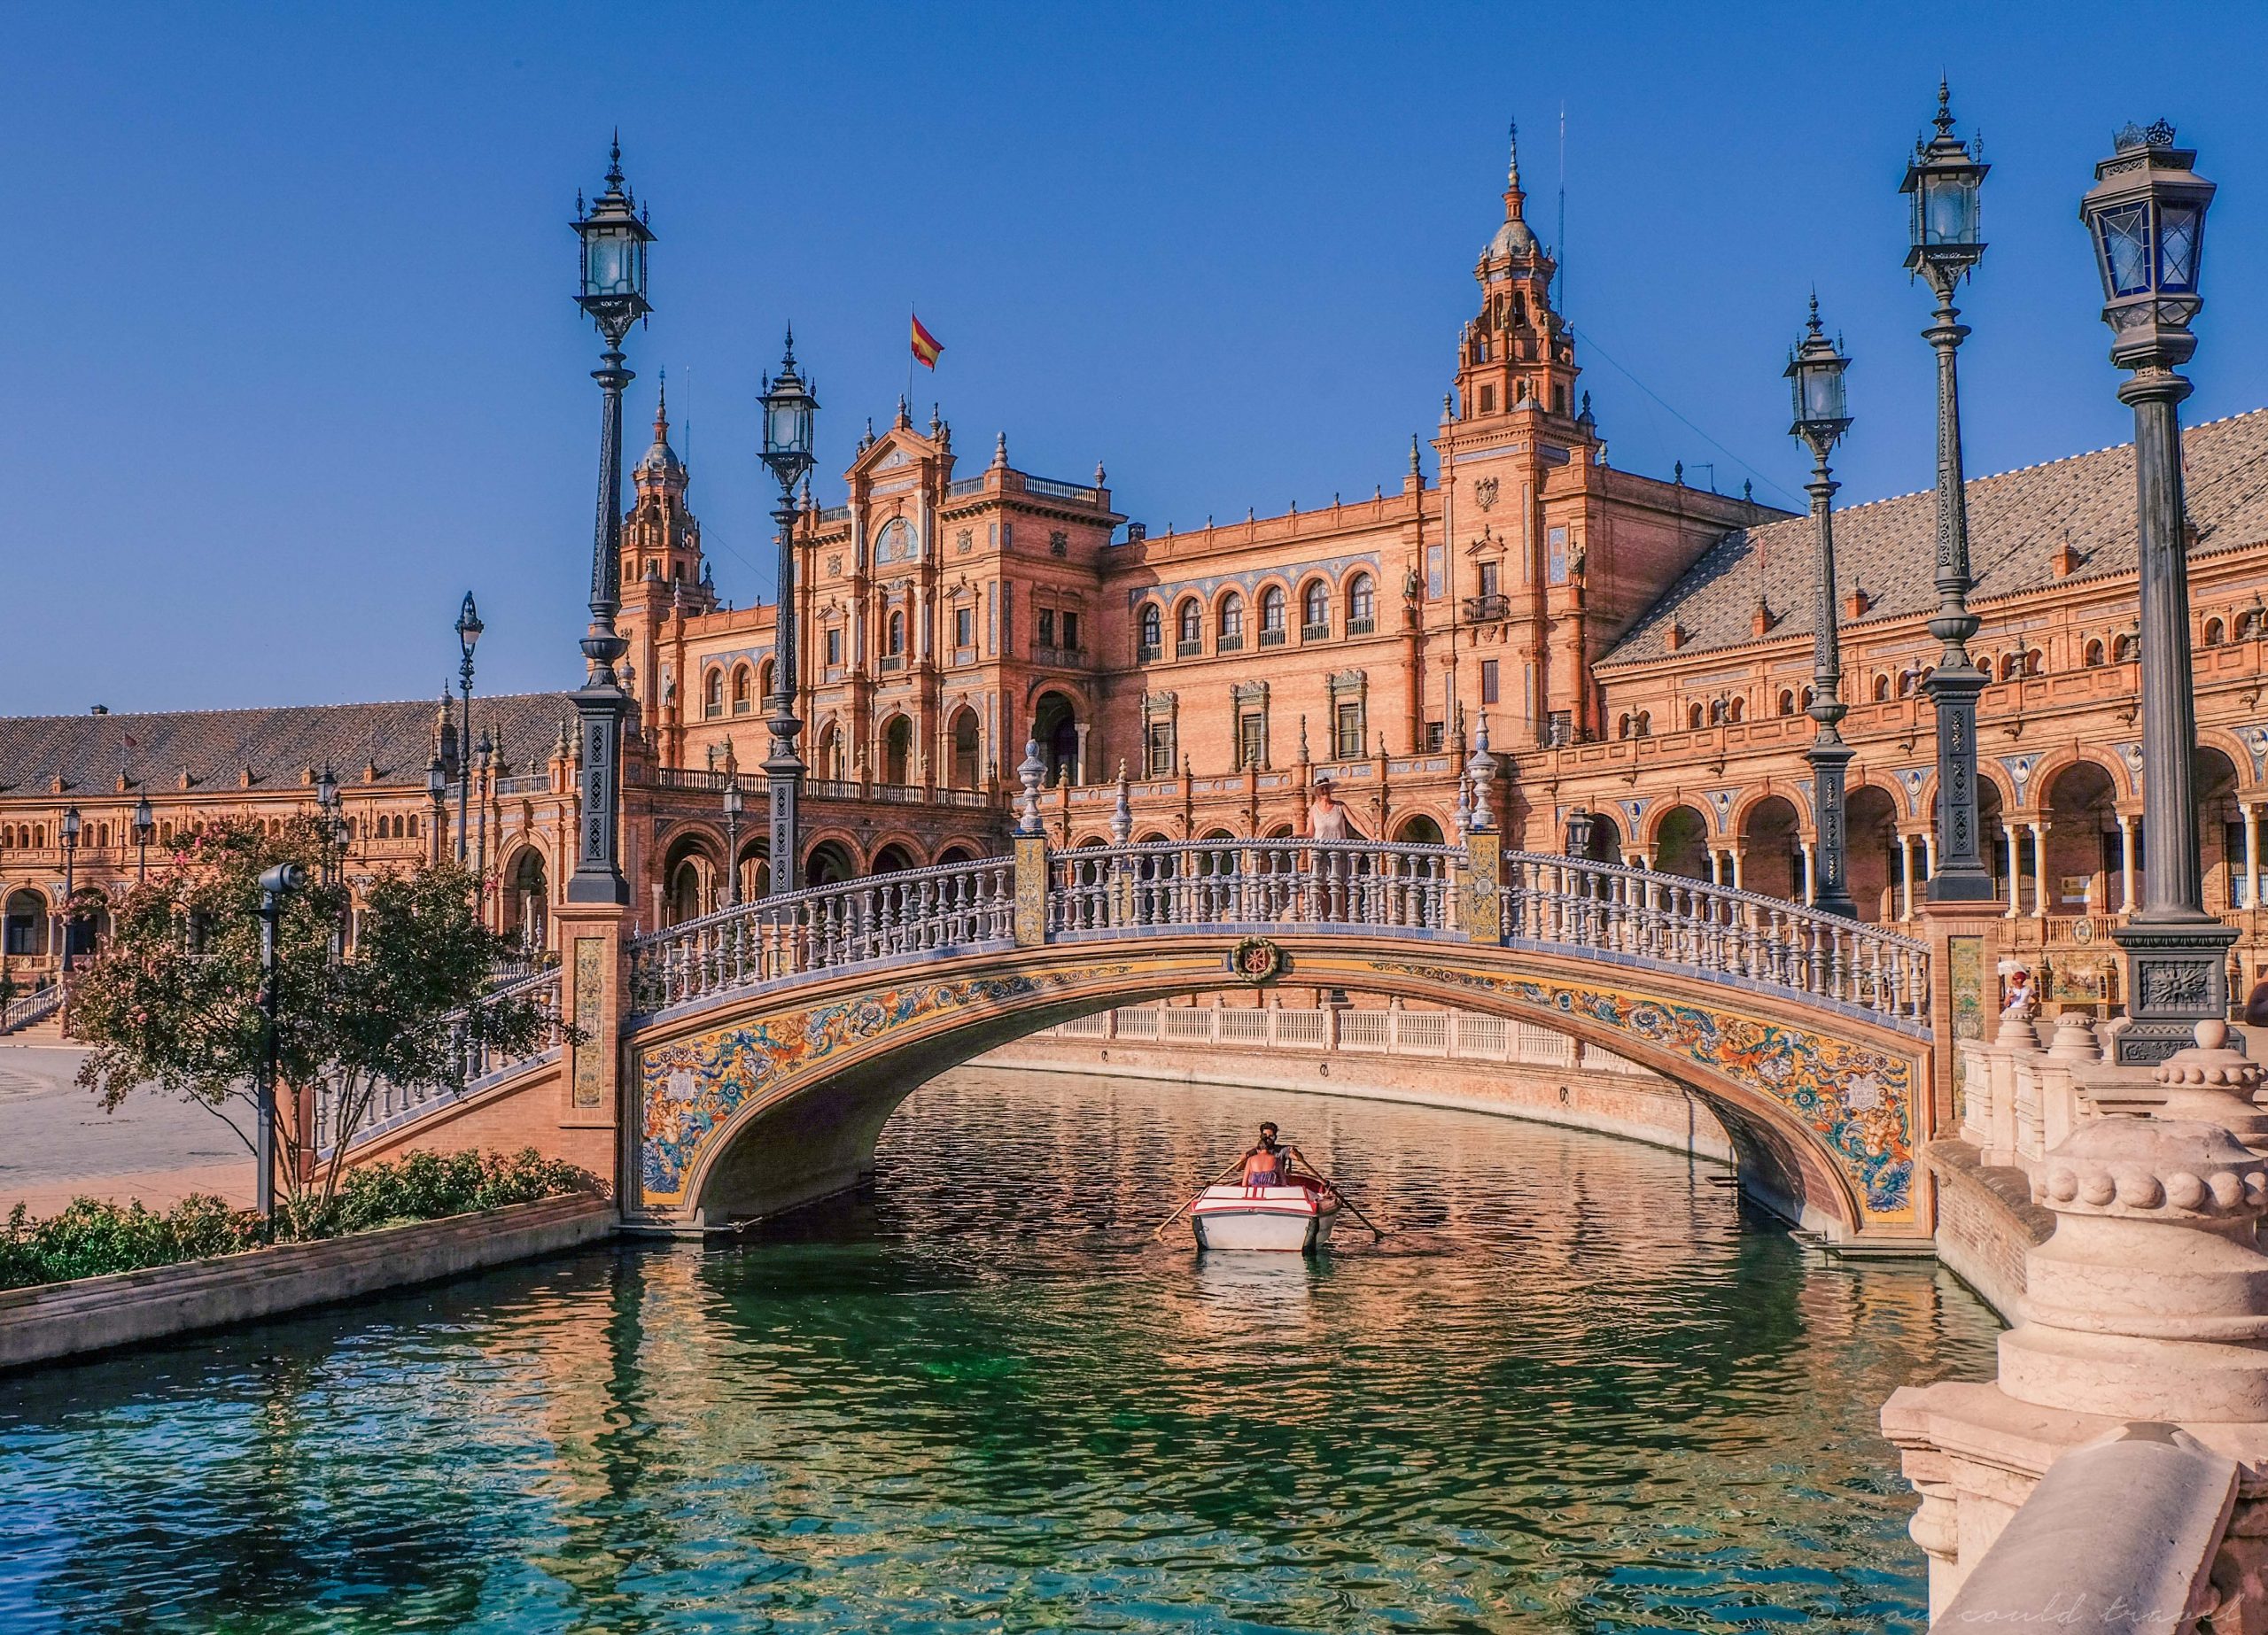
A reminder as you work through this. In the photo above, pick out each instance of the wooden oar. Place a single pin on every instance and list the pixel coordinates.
(1159, 1230)
(1376, 1232)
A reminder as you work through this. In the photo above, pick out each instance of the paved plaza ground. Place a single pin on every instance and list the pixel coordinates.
(56, 1143)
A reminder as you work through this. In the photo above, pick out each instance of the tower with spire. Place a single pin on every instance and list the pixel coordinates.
(661, 538)
(1516, 355)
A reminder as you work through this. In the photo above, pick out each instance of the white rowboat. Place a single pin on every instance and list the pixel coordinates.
(1290, 1219)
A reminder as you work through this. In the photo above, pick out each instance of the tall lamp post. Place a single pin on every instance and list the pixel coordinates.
(733, 806)
(437, 790)
(2145, 214)
(614, 238)
(70, 879)
(1944, 180)
(145, 829)
(1822, 415)
(789, 409)
(275, 885)
(469, 629)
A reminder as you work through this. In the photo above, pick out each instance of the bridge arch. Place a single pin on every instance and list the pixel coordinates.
(748, 1115)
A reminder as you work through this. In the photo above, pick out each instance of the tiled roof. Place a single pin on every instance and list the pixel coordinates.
(2017, 520)
(215, 747)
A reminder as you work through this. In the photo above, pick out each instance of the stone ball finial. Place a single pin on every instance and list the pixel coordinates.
(2215, 1080)
(2162, 1169)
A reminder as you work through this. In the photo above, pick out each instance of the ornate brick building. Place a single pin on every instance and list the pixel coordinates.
(1638, 649)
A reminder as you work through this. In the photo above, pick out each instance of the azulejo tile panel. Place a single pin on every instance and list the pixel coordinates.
(1857, 1101)
(690, 1089)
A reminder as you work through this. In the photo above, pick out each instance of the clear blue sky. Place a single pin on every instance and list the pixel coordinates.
(293, 362)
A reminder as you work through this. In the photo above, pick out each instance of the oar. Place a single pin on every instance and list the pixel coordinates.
(1159, 1230)
(1376, 1232)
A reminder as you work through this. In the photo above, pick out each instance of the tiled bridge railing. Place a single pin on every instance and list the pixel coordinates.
(1457, 1035)
(1357, 888)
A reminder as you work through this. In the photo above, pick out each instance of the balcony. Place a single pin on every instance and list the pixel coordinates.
(1189, 649)
(1361, 627)
(893, 661)
(1272, 637)
(1493, 609)
(1315, 633)
(1146, 651)
(1230, 644)
(1066, 658)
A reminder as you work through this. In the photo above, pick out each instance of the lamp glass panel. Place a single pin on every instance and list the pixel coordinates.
(2182, 228)
(2123, 233)
(1820, 391)
(610, 268)
(1948, 210)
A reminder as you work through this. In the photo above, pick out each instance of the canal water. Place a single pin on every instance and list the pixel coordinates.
(1572, 1389)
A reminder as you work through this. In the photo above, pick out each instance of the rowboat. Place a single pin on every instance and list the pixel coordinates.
(1291, 1219)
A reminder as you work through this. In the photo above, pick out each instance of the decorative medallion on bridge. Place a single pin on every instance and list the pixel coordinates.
(1258, 960)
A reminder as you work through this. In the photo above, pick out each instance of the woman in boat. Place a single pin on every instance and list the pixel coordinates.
(1270, 1163)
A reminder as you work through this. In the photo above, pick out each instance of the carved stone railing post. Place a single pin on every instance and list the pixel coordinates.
(1480, 874)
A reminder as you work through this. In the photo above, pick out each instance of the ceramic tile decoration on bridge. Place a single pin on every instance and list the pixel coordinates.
(1807, 1032)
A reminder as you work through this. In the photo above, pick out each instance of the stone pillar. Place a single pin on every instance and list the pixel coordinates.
(1079, 757)
(1810, 880)
(1906, 876)
(597, 1112)
(2015, 873)
(2251, 855)
(2125, 863)
(1737, 853)
(2039, 871)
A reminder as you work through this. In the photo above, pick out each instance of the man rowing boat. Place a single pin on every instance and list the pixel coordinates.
(1270, 1163)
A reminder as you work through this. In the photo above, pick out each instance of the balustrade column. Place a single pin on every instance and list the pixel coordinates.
(2039, 871)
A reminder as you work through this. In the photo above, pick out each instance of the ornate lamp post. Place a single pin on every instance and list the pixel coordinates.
(334, 846)
(145, 828)
(2146, 213)
(70, 879)
(789, 409)
(614, 239)
(1814, 371)
(469, 629)
(733, 806)
(1944, 180)
(437, 790)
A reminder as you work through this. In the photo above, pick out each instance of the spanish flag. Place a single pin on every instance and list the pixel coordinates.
(927, 346)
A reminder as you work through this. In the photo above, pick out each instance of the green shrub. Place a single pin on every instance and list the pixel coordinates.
(90, 1238)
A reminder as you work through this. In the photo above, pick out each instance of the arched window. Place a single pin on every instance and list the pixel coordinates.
(1645, 724)
(712, 698)
(2248, 627)
(1716, 712)
(895, 636)
(1907, 681)
(1314, 611)
(1362, 605)
(1232, 621)
(1693, 718)
(1738, 708)
(2035, 662)
(1153, 634)
(764, 681)
(2122, 649)
(1787, 700)
(1190, 623)
(1622, 726)
(1808, 695)
(1271, 616)
(2092, 657)
(2215, 632)
(740, 689)
(1881, 689)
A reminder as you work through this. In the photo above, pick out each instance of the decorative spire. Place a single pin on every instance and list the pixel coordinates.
(1121, 815)
(1512, 195)
(1414, 469)
(1481, 769)
(1944, 120)
(1102, 478)
(905, 419)
(1000, 450)
(936, 424)
(614, 160)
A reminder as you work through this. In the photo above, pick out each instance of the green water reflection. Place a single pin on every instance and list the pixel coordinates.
(1574, 1390)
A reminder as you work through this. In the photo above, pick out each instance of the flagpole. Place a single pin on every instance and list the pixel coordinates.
(911, 318)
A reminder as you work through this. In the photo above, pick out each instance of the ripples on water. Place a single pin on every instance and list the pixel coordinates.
(1572, 1390)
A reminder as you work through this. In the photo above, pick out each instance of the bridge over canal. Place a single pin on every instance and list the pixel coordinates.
(744, 1063)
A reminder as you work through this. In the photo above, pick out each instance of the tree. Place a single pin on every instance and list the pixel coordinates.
(174, 1000)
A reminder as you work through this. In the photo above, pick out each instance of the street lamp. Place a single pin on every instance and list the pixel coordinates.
(1814, 373)
(614, 237)
(334, 847)
(469, 629)
(437, 790)
(788, 412)
(733, 806)
(2145, 214)
(145, 828)
(1944, 180)
(70, 877)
